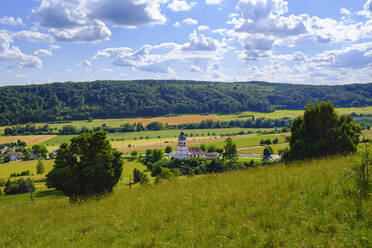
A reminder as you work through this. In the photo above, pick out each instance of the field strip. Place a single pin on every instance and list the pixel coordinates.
(29, 139)
(174, 120)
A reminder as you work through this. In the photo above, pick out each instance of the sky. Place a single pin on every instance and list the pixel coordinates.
(321, 42)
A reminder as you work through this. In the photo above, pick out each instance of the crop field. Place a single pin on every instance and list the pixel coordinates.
(174, 120)
(29, 139)
(305, 204)
(259, 149)
(292, 113)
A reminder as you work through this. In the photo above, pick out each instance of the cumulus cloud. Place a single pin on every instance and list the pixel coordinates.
(85, 63)
(43, 52)
(85, 21)
(190, 21)
(213, 1)
(199, 52)
(107, 70)
(368, 8)
(32, 36)
(8, 52)
(11, 21)
(180, 5)
(203, 28)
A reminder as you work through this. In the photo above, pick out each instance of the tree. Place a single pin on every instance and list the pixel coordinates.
(211, 148)
(267, 152)
(134, 153)
(321, 132)
(139, 177)
(168, 149)
(88, 166)
(40, 169)
(39, 151)
(276, 141)
(230, 152)
(19, 186)
(203, 147)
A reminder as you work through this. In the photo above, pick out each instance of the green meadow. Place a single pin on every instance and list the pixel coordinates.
(303, 204)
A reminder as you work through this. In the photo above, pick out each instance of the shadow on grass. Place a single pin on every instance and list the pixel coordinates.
(48, 193)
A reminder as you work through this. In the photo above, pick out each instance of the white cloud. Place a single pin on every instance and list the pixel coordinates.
(32, 36)
(213, 1)
(190, 21)
(203, 28)
(43, 52)
(68, 70)
(55, 47)
(180, 5)
(123, 75)
(8, 52)
(84, 21)
(177, 24)
(107, 70)
(20, 75)
(85, 63)
(199, 52)
(368, 8)
(11, 21)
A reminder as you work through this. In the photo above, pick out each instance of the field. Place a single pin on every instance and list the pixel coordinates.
(305, 204)
(29, 139)
(292, 113)
(175, 120)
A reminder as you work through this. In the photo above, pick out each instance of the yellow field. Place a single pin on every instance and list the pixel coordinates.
(175, 120)
(29, 139)
(17, 167)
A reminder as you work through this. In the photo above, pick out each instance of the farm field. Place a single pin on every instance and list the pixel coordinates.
(12, 167)
(292, 113)
(175, 120)
(294, 205)
(29, 139)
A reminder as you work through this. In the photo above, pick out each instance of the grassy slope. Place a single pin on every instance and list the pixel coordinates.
(282, 206)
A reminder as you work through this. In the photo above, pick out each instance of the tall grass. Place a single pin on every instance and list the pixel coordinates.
(291, 205)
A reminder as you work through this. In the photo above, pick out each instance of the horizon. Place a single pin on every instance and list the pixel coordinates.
(274, 41)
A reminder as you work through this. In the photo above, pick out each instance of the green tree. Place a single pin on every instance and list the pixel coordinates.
(39, 151)
(267, 152)
(211, 148)
(203, 147)
(40, 169)
(87, 166)
(168, 149)
(139, 177)
(134, 153)
(230, 150)
(321, 132)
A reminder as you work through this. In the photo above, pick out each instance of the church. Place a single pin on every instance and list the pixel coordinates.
(184, 152)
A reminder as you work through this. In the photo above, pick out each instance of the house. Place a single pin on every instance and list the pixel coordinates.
(184, 152)
(3, 149)
(13, 156)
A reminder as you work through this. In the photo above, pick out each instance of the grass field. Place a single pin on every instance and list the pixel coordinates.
(292, 113)
(175, 120)
(297, 205)
(12, 167)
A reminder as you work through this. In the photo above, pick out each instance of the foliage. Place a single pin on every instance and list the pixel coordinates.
(109, 99)
(39, 151)
(40, 169)
(168, 149)
(134, 153)
(19, 186)
(20, 174)
(139, 177)
(267, 152)
(230, 150)
(321, 132)
(86, 167)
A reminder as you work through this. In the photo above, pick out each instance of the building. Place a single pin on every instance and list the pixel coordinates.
(183, 151)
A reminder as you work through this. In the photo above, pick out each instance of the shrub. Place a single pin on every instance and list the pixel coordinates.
(19, 186)
(140, 177)
(40, 169)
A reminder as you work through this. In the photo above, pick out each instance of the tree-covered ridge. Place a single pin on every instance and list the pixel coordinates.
(114, 99)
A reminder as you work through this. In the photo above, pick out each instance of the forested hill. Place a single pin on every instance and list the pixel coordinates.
(114, 99)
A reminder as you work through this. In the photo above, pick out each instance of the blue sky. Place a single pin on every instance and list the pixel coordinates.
(294, 41)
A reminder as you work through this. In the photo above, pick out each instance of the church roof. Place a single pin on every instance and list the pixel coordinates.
(194, 150)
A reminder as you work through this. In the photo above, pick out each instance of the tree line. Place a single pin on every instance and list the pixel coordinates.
(153, 126)
(147, 98)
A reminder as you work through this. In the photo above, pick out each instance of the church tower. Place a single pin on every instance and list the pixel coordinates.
(182, 151)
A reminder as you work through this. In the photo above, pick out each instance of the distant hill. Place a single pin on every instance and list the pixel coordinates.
(120, 99)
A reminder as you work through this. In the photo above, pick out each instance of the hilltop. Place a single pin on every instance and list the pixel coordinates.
(305, 203)
(145, 98)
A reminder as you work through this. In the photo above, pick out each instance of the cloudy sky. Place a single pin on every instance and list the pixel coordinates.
(295, 41)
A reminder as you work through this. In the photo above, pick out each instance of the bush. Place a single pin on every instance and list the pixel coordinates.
(40, 169)
(140, 177)
(88, 166)
(19, 186)
(20, 174)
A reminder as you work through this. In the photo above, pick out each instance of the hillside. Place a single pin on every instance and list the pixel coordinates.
(295, 205)
(121, 99)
